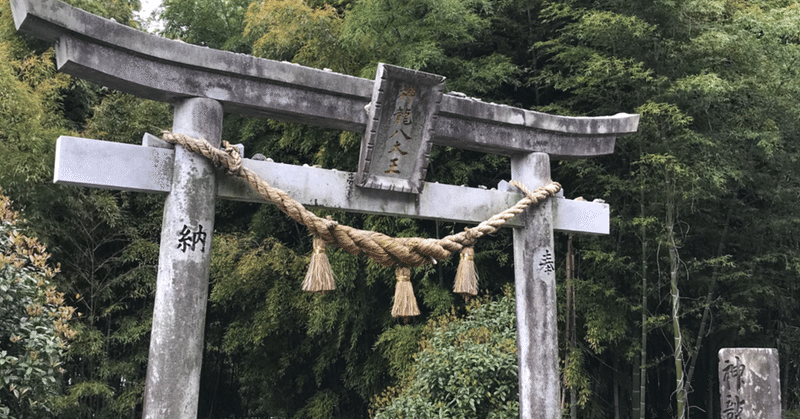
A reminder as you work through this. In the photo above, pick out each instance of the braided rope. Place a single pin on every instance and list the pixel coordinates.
(383, 249)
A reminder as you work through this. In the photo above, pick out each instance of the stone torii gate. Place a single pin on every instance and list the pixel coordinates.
(401, 105)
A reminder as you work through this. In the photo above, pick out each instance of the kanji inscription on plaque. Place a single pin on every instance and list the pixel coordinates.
(397, 142)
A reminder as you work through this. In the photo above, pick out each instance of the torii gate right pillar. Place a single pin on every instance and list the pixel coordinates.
(535, 290)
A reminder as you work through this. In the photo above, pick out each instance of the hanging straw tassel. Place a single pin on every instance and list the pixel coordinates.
(466, 275)
(405, 304)
(320, 275)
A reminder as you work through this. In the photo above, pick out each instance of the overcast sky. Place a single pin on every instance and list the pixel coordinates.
(147, 8)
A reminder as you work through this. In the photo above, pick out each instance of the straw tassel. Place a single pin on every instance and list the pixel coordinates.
(320, 275)
(405, 304)
(466, 275)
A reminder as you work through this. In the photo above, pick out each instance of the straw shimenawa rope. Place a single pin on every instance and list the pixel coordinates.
(383, 249)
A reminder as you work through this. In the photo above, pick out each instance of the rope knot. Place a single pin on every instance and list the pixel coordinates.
(235, 163)
(471, 235)
(329, 223)
(403, 274)
(550, 189)
(553, 188)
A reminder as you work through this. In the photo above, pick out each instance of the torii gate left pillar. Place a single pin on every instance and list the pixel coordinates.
(176, 341)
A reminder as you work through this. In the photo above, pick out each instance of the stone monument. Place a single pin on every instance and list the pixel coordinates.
(749, 383)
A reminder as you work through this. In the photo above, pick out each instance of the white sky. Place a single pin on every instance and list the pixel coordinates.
(148, 6)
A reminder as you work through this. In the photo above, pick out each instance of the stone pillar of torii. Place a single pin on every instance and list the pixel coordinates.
(401, 114)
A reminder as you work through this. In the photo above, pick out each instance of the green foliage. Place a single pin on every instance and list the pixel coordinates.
(105, 242)
(216, 24)
(436, 36)
(119, 10)
(34, 323)
(575, 376)
(791, 414)
(112, 275)
(709, 138)
(108, 243)
(590, 62)
(414, 33)
(466, 368)
(294, 31)
(398, 345)
(29, 112)
(123, 118)
(603, 310)
(299, 355)
(450, 37)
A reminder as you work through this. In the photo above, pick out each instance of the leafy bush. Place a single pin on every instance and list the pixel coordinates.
(467, 368)
(34, 323)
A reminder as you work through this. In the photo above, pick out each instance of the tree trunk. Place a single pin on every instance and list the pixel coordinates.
(707, 309)
(639, 391)
(712, 384)
(616, 387)
(674, 265)
(635, 388)
(571, 337)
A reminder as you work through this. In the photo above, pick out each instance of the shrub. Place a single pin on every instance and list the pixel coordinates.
(467, 368)
(34, 323)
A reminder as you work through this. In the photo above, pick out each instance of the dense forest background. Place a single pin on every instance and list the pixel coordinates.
(704, 250)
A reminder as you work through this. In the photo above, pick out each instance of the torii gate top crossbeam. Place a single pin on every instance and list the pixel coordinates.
(160, 69)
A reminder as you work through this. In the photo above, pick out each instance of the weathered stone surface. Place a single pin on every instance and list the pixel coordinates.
(522, 134)
(535, 291)
(108, 165)
(132, 61)
(749, 383)
(176, 340)
(397, 142)
(150, 140)
(228, 79)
